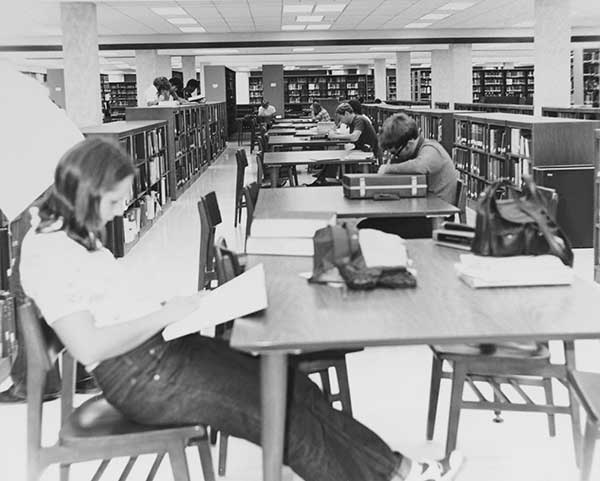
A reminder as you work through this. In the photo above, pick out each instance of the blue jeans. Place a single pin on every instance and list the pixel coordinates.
(202, 380)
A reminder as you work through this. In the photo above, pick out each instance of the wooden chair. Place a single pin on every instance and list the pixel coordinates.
(250, 193)
(94, 430)
(210, 218)
(461, 201)
(587, 388)
(242, 163)
(262, 178)
(320, 362)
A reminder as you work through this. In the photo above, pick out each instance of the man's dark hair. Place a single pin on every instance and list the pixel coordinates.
(176, 82)
(396, 131)
(355, 104)
(343, 108)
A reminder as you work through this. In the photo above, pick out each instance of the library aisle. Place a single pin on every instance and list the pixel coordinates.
(389, 386)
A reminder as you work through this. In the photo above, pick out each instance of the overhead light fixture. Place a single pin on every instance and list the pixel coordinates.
(309, 18)
(182, 21)
(320, 26)
(330, 7)
(197, 29)
(216, 51)
(417, 25)
(169, 11)
(293, 27)
(435, 16)
(456, 6)
(303, 49)
(336, 67)
(298, 8)
(388, 49)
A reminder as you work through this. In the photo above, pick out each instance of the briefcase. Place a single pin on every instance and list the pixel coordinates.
(365, 186)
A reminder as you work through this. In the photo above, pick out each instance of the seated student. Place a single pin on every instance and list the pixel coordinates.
(191, 88)
(318, 113)
(266, 110)
(91, 303)
(160, 91)
(410, 153)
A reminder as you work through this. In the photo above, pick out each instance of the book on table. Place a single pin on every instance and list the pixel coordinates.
(287, 233)
(241, 296)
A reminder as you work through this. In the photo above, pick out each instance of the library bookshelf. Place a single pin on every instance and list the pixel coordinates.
(118, 96)
(493, 146)
(591, 77)
(196, 135)
(521, 109)
(146, 143)
(500, 82)
(255, 87)
(437, 124)
(596, 221)
(587, 113)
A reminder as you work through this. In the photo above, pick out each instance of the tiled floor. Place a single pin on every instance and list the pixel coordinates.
(389, 385)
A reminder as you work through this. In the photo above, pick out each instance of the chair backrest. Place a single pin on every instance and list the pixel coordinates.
(251, 196)
(226, 262)
(551, 198)
(460, 200)
(210, 217)
(242, 163)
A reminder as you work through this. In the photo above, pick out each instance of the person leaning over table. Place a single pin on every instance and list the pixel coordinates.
(318, 113)
(410, 153)
(159, 91)
(95, 308)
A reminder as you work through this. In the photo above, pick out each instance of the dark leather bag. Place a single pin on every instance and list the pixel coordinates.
(517, 225)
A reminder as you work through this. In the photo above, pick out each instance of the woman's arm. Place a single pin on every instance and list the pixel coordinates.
(90, 344)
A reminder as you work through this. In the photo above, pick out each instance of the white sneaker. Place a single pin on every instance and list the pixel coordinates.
(444, 469)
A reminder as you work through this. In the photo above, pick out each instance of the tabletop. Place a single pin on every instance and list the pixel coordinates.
(331, 199)
(440, 310)
(297, 126)
(293, 140)
(317, 156)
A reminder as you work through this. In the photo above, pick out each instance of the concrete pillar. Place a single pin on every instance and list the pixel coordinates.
(452, 75)
(146, 70)
(82, 63)
(552, 50)
(273, 86)
(242, 87)
(577, 76)
(403, 76)
(164, 66)
(380, 80)
(188, 65)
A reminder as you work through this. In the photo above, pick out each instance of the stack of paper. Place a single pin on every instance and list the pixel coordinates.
(288, 233)
(480, 271)
(380, 249)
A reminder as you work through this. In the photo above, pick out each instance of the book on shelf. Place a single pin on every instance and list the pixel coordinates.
(250, 294)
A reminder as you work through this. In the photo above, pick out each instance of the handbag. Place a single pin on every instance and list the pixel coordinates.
(518, 225)
(337, 248)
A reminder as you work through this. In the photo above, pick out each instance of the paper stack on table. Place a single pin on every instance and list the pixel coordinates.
(544, 270)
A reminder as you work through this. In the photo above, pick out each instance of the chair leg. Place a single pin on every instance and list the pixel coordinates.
(223, 438)
(206, 460)
(587, 455)
(155, 466)
(458, 383)
(497, 413)
(434, 394)
(235, 214)
(550, 402)
(64, 472)
(213, 433)
(573, 403)
(341, 371)
(178, 462)
(326, 384)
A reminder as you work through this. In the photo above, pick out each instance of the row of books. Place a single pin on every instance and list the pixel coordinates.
(145, 210)
(492, 168)
(155, 141)
(520, 142)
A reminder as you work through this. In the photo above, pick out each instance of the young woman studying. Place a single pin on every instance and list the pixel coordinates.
(93, 307)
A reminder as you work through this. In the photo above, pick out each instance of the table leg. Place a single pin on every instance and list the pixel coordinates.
(365, 168)
(274, 172)
(569, 347)
(273, 368)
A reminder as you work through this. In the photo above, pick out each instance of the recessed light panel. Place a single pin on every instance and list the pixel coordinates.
(303, 49)
(213, 51)
(297, 8)
(320, 26)
(417, 25)
(309, 18)
(182, 21)
(456, 5)
(192, 29)
(169, 11)
(330, 7)
(434, 16)
(293, 27)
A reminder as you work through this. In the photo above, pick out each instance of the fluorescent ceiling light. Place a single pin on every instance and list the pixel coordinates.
(197, 29)
(293, 27)
(456, 6)
(298, 8)
(215, 51)
(417, 25)
(182, 21)
(330, 7)
(336, 67)
(435, 16)
(169, 11)
(387, 49)
(303, 49)
(309, 18)
(321, 26)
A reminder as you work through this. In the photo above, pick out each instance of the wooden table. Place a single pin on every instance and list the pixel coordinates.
(287, 141)
(295, 120)
(312, 132)
(273, 161)
(297, 126)
(273, 202)
(440, 310)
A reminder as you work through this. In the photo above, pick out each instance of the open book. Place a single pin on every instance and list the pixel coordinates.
(243, 295)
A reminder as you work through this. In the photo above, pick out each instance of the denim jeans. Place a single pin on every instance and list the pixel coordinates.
(202, 380)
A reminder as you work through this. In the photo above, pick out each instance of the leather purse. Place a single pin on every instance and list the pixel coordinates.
(517, 225)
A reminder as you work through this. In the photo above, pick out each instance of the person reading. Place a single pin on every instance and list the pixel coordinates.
(94, 308)
(318, 113)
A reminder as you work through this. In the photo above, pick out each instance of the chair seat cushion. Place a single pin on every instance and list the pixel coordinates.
(504, 350)
(96, 418)
(587, 387)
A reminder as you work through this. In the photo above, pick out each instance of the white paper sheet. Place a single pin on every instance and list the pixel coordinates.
(381, 249)
(239, 297)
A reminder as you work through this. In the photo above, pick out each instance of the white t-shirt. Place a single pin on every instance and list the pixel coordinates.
(150, 95)
(63, 277)
(270, 110)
